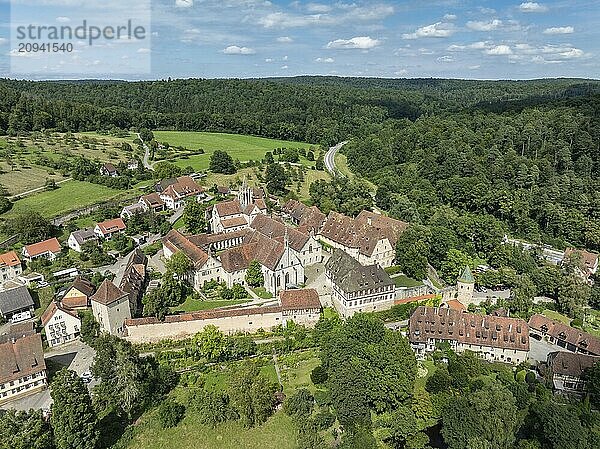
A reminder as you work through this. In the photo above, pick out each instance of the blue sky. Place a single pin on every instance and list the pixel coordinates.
(260, 38)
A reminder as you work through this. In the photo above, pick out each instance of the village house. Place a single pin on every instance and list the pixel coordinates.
(356, 288)
(237, 214)
(22, 365)
(570, 338)
(495, 338)
(108, 228)
(110, 306)
(133, 209)
(566, 370)
(10, 266)
(304, 306)
(61, 324)
(77, 295)
(153, 202)
(305, 245)
(369, 238)
(588, 260)
(48, 249)
(109, 169)
(78, 238)
(133, 164)
(176, 194)
(15, 300)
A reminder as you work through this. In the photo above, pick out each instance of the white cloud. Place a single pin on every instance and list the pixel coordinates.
(450, 17)
(325, 60)
(269, 60)
(532, 7)
(284, 67)
(559, 30)
(184, 3)
(489, 25)
(285, 40)
(143, 50)
(438, 29)
(572, 53)
(488, 11)
(499, 50)
(318, 8)
(446, 58)
(285, 58)
(360, 42)
(402, 72)
(474, 46)
(345, 13)
(474, 67)
(62, 19)
(235, 50)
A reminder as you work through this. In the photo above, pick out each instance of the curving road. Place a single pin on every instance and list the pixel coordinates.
(330, 159)
(146, 160)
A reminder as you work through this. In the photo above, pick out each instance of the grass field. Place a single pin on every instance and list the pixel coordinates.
(26, 170)
(243, 148)
(70, 195)
(556, 316)
(193, 305)
(278, 432)
(404, 281)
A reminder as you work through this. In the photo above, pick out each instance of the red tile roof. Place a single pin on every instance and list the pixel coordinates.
(307, 298)
(51, 309)
(47, 246)
(578, 338)
(233, 222)
(111, 226)
(153, 200)
(9, 259)
(468, 328)
(22, 358)
(275, 229)
(455, 304)
(175, 241)
(182, 188)
(108, 293)
(590, 260)
(226, 208)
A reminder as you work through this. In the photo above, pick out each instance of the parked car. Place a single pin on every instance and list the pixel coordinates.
(86, 377)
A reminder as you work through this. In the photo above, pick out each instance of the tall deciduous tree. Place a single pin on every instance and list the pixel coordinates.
(485, 418)
(254, 275)
(251, 394)
(73, 418)
(221, 162)
(276, 179)
(194, 217)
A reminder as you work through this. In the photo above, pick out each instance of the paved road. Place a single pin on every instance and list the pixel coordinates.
(330, 159)
(146, 160)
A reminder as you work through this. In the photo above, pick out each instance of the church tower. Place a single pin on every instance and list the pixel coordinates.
(465, 286)
(245, 195)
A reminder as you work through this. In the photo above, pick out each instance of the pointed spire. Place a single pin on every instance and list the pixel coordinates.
(286, 240)
(466, 276)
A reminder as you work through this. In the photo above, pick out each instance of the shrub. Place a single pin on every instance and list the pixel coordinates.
(301, 403)
(324, 420)
(318, 375)
(323, 398)
(170, 413)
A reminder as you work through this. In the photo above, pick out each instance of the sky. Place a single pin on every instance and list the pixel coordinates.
(261, 38)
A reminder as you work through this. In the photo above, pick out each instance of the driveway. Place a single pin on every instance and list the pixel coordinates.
(539, 349)
(75, 355)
